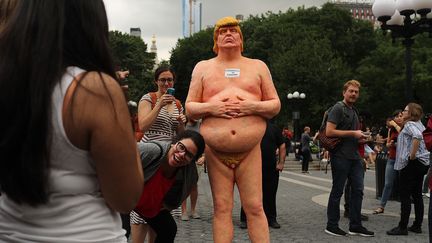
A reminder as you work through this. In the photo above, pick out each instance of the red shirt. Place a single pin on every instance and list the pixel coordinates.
(392, 149)
(151, 200)
(361, 150)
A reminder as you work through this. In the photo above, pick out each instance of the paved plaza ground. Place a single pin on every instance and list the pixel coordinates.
(301, 203)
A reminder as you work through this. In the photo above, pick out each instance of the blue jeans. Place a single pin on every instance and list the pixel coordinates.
(341, 170)
(390, 175)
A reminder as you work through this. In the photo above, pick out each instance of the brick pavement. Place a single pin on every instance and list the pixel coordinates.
(301, 206)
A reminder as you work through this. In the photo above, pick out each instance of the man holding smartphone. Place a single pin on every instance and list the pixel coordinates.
(346, 162)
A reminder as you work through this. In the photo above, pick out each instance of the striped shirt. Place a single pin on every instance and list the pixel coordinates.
(412, 130)
(165, 126)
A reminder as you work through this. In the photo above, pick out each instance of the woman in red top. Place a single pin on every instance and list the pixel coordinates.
(163, 190)
(394, 125)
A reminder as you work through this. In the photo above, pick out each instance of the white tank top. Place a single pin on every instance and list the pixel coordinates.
(76, 211)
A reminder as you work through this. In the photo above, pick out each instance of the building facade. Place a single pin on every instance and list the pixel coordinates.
(359, 9)
(135, 32)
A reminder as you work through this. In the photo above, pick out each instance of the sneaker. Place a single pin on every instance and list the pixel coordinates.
(196, 215)
(243, 225)
(274, 224)
(426, 194)
(335, 231)
(415, 229)
(362, 231)
(397, 231)
(184, 217)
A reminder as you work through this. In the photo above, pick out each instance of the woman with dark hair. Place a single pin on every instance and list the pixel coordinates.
(160, 117)
(394, 124)
(65, 170)
(169, 174)
(412, 162)
(160, 114)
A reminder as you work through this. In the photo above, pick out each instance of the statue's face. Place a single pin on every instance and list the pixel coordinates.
(229, 37)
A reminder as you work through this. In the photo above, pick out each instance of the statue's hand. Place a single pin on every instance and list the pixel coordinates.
(245, 107)
(225, 109)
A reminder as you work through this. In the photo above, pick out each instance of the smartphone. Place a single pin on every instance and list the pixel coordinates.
(171, 91)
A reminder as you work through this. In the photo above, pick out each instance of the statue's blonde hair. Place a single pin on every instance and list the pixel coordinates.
(225, 22)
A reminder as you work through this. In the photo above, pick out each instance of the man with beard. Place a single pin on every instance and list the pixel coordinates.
(346, 162)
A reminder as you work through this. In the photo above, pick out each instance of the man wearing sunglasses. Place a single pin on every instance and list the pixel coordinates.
(235, 96)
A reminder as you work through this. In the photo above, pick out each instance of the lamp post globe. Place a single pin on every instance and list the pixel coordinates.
(422, 4)
(396, 19)
(384, 8)
(417, 19)
(405, 6)
(296, 96)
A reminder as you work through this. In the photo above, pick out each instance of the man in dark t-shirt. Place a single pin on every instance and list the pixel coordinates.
(346, 162)
(272, 164)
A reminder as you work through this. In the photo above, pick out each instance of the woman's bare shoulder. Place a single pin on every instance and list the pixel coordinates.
(98, 83)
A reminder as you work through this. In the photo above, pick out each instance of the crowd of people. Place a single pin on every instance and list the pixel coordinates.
(69, 172)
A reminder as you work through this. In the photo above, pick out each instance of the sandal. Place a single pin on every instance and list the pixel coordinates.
(378, 210)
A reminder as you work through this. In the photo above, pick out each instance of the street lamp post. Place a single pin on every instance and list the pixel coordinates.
(405, 19)
(295, 96)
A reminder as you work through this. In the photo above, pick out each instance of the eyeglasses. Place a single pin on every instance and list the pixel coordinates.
(182, 148)
(163, 80)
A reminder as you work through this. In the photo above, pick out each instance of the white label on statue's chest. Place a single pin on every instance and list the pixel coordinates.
(232, 73)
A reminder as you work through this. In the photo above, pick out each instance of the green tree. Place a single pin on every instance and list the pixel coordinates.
(130, 53)
(187, 53)
(383, 76)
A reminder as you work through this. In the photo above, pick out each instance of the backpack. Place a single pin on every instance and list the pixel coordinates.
(427, 134)
(331, 143)
(138, 133)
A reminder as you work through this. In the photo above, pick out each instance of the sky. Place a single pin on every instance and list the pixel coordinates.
(163, 18)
